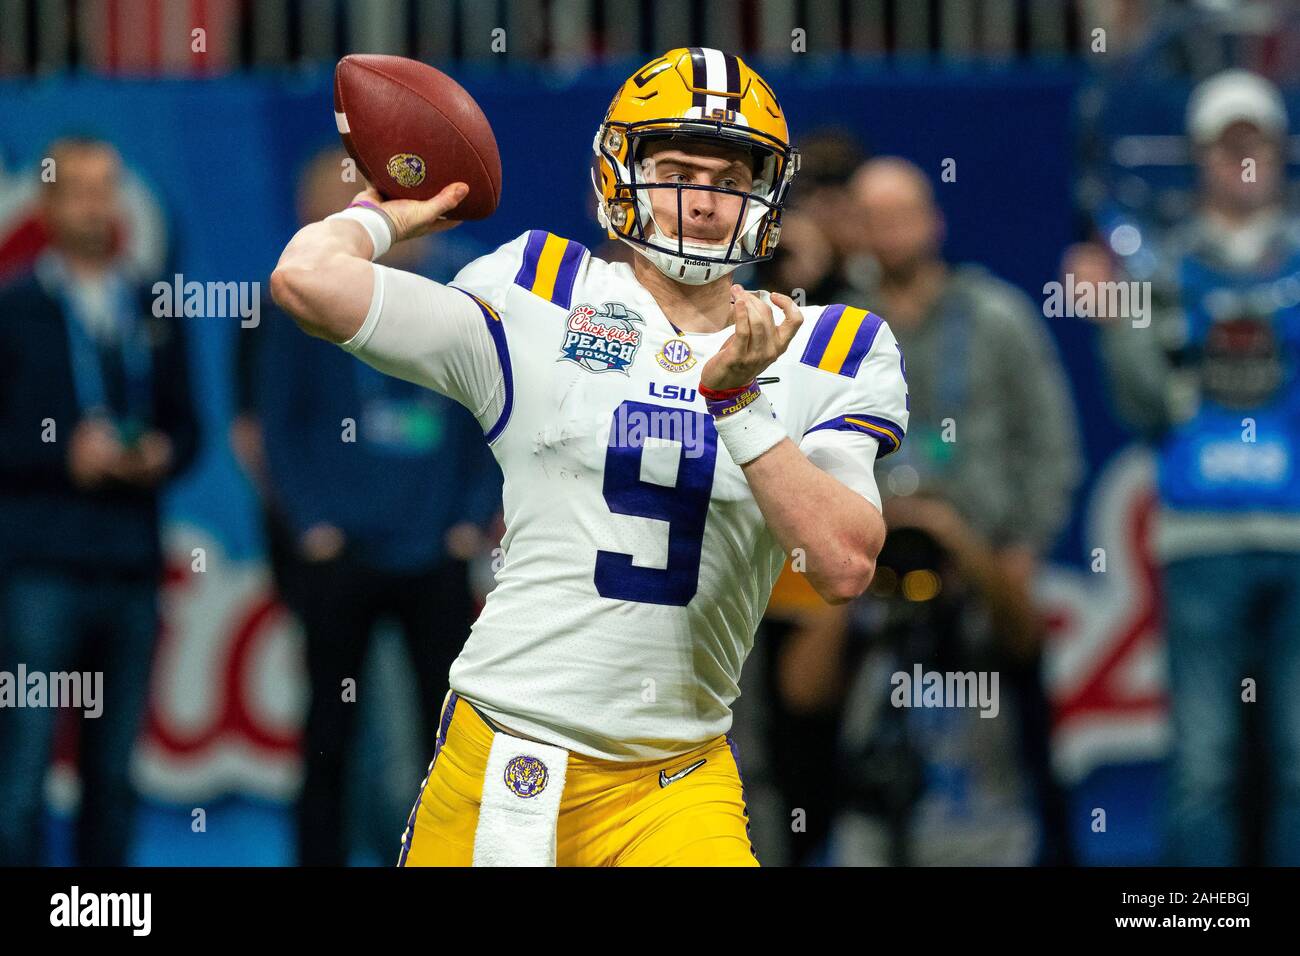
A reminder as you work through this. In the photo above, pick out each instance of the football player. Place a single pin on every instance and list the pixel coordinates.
(666, 438)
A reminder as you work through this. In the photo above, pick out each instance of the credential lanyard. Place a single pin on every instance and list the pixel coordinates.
(87, 370)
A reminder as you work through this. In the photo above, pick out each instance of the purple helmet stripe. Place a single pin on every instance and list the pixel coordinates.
(733, 82)
(698, 76)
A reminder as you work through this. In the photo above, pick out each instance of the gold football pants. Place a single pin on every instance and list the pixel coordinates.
(685, 811)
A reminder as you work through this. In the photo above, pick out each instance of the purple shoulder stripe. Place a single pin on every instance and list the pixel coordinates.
(821, 335)
(527, 273)
(861, 344)
(570, 262)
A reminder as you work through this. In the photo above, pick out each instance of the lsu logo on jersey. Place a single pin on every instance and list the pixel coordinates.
(526, 776)
(602, 340)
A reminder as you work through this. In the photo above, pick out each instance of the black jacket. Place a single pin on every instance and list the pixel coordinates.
(45, 519)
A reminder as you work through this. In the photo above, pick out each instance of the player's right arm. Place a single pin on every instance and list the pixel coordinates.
(325, 279)
(405, 325)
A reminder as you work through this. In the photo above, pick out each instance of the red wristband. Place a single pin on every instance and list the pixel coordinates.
(721, 394)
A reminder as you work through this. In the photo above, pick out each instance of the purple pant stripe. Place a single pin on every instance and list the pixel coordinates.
(735, 755)
(437, 749)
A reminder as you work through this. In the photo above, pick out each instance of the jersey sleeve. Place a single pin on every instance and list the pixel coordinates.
(488, 278)
(445, 337)
(859, 393)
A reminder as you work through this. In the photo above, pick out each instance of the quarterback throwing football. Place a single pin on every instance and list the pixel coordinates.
(666, 438)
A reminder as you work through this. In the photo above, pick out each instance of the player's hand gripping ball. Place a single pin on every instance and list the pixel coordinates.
(756, 340)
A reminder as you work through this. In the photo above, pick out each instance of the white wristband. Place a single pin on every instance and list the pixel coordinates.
(751, 431)
(374, 222)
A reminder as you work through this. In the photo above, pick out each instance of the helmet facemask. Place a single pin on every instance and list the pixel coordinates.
(753, 235)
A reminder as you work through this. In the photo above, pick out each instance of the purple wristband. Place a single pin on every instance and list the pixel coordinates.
(725, 407)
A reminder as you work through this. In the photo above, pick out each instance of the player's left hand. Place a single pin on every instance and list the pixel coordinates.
(755, 344)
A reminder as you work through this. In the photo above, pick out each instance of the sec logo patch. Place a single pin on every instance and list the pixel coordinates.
(675, 356)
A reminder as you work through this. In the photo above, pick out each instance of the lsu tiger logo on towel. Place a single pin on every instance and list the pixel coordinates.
(526, 776)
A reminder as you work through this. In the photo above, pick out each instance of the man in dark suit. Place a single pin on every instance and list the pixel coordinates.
(95, 418)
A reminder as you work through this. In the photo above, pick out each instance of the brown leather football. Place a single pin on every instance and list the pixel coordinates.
(413, 130)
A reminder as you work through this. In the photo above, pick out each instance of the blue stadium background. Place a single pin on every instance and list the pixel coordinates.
(223, 155)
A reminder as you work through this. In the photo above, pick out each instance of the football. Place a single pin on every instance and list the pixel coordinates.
(413, 130)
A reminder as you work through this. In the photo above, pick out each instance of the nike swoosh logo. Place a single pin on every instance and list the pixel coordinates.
(665, 780)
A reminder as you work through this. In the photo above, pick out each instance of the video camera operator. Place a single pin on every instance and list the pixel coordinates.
(1209, 378)
(986, 475)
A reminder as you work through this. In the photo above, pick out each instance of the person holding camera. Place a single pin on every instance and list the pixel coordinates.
(1210, 380)
(983, 487)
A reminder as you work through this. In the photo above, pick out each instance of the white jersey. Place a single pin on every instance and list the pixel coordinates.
(636, 562)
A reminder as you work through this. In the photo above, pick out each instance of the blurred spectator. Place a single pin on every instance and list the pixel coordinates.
(1209, 376)
(95, 417)
(805, 260)
(987, 472)
(385, 490)
(828, 158)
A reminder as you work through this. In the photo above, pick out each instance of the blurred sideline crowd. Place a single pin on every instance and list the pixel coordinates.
(379, 497)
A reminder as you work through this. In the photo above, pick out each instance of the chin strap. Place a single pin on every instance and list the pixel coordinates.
(675, 266)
